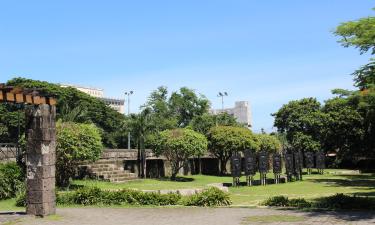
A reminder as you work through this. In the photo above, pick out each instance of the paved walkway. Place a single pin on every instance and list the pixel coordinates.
(183, 216)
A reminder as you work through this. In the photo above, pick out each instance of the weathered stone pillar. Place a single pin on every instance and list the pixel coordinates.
(40, 160)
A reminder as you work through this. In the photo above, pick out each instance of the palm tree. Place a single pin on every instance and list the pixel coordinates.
(140, 126)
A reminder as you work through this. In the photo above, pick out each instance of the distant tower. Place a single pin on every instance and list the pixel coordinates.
(241, 111)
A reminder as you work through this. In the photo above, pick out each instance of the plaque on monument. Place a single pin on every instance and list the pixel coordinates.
(309, 160)
(276, 163)
(289, 166)
(263, 162)
(250, 163)
(320, 160)
(236, 165)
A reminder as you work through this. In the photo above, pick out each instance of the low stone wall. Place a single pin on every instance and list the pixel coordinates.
(156, 166)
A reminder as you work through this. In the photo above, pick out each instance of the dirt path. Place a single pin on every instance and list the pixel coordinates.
(186, 216)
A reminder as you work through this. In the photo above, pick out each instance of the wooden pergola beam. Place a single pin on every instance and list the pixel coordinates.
(24, 95)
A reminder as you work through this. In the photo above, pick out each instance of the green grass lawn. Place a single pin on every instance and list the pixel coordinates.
(312, 186)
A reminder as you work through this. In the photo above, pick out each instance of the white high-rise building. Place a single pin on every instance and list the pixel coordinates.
(241, 111)
(114, 103)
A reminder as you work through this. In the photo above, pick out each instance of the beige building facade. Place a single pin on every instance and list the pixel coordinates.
(115, 103)
(241, 111)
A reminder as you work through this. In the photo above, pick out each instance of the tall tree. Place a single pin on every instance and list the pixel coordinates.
(140, 127)
(178, 145)
(300, 117)
(186, 104)
(203, 123)
(225, 140)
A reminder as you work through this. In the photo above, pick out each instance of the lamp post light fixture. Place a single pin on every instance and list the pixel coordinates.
(222, 95)
(128, 93)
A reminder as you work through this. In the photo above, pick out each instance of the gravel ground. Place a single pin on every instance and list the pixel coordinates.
(182, 216)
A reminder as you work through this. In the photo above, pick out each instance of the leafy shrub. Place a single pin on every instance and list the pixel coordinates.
(299, 203)
(209, 197)
(11, 180)
(342, 201)
(88, 196)
(21, 199)
(65, 198)
(75, 142)
(337, 201)
(96, 196)
(276, 201)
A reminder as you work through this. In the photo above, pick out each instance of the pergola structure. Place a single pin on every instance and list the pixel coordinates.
(40, 147)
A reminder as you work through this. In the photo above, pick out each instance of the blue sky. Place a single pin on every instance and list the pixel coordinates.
(265, 52)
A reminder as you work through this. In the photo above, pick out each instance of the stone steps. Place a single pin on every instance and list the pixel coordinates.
(110, 171)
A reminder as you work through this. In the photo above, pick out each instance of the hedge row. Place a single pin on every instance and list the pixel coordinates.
(334, 202)
(96, 196)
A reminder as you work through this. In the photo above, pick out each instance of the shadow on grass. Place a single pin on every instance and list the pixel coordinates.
(12, 213)
(361, 180)
(178, 179)
(345, 215)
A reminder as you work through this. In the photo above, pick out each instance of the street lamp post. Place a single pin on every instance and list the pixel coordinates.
(128, 93)
(222, 95)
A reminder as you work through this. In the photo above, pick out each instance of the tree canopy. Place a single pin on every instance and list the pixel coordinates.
(268, 143)
(177, 145)
(109, 121)
(224, 140)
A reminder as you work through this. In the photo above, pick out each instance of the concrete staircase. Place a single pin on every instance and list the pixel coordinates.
(108, 170)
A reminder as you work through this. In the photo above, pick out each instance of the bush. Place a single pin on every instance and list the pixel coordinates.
(11, 180)
(337, 201)
(21, 199)
(299, 203)
(342, 201)
(75, 143)
(96, 196)
(209, 197)
(277, 201)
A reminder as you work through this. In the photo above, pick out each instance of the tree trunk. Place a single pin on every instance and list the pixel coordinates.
(143, 158)
(223, 166)
(175, 168)
(139, 157)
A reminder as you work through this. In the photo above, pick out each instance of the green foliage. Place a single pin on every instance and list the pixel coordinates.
(301, 141)
(359, 34)
(178, 110)
(268, 143)
(299, 203)
(224, 140)
(185, 104)
(96, 196)
(9, 115)
(11, 180)
(209, 198)
(342, 201)
(364, 77)
(81, 107)
(283, 201)
(178, 145)
(75, 143)
(276, 201)
(21, 199)
(334, 202)
(301, 119)
(205, 122)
